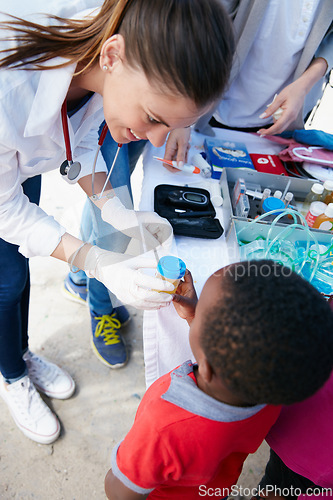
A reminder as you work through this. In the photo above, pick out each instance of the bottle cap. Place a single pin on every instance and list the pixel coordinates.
(272, 203)
(278, 194)
(171, 267)
(317, 188)
(328, 185)
(329, 210)
(318, 207)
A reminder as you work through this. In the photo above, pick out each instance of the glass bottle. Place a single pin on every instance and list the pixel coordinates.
(314, 195)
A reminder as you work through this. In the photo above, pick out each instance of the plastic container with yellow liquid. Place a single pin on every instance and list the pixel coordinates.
(171, 269)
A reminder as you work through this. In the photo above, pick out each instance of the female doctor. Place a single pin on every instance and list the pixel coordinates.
(139, 62)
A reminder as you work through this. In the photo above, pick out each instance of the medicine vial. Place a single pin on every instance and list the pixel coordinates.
(288, 198)
(314, 195)
(325, 220)
(327, 196)
(316, 208)
(171, 269)
(265, 194)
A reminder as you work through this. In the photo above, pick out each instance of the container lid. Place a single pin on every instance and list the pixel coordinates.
(317, 188)
(329, 210)
(272, 203)
(171, 267)
(328, 185)
(318, 207)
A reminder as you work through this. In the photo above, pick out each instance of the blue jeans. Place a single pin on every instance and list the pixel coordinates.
(14, 299)
(95, 230)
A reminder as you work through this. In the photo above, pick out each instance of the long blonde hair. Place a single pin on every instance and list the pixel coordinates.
(186, 45)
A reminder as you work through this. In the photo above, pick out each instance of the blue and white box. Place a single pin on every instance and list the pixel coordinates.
(230, 154)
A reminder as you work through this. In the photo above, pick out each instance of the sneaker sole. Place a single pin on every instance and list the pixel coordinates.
(32, 435)
(114, 367)
(72, 297)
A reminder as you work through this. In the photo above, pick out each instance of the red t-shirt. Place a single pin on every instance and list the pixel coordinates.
(184, 442)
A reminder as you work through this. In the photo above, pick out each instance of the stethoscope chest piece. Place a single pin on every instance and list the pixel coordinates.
(71, 169)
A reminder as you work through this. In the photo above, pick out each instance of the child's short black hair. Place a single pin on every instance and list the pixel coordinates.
(269, 335)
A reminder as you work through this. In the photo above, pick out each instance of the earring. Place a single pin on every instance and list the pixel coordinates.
(105, 67)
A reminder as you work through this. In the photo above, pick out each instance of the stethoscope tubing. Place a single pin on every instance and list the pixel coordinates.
(64, 121)
(69, 156)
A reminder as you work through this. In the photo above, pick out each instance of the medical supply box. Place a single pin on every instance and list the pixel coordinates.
(258, 181)
(220, 154)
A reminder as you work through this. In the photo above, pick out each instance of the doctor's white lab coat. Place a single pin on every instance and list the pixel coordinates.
(32, 142)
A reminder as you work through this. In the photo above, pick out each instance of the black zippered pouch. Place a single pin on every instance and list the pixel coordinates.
(188, 209)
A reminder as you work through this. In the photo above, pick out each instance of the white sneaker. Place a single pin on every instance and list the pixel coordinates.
(30, 413)
(48, 377)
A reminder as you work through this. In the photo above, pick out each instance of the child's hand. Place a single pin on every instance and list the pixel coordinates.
(185, 299)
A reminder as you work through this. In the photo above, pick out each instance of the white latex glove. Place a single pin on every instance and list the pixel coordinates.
(123, 276)
(148, 227)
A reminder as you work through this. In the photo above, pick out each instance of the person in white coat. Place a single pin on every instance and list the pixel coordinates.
(131, 64)
(107, 314)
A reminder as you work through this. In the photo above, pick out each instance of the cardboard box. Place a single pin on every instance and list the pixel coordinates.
(230, 154)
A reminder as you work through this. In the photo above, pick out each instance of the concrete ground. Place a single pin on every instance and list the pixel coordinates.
(105, 401)
(104, 404)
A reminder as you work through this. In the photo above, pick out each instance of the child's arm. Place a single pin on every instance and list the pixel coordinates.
(116, 490)
(185, 299)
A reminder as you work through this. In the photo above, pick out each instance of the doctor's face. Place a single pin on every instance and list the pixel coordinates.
(136, 109)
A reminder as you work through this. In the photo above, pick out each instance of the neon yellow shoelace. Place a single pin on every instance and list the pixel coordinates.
(107, 327)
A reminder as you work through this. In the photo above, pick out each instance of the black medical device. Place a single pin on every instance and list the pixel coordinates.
(188, 198)
(188, 209)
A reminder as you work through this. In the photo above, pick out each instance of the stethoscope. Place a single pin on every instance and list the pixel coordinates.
(73, 169)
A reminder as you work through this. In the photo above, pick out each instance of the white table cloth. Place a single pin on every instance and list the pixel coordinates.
(165, 334)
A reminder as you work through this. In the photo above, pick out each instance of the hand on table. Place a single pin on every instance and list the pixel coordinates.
(185, 299)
